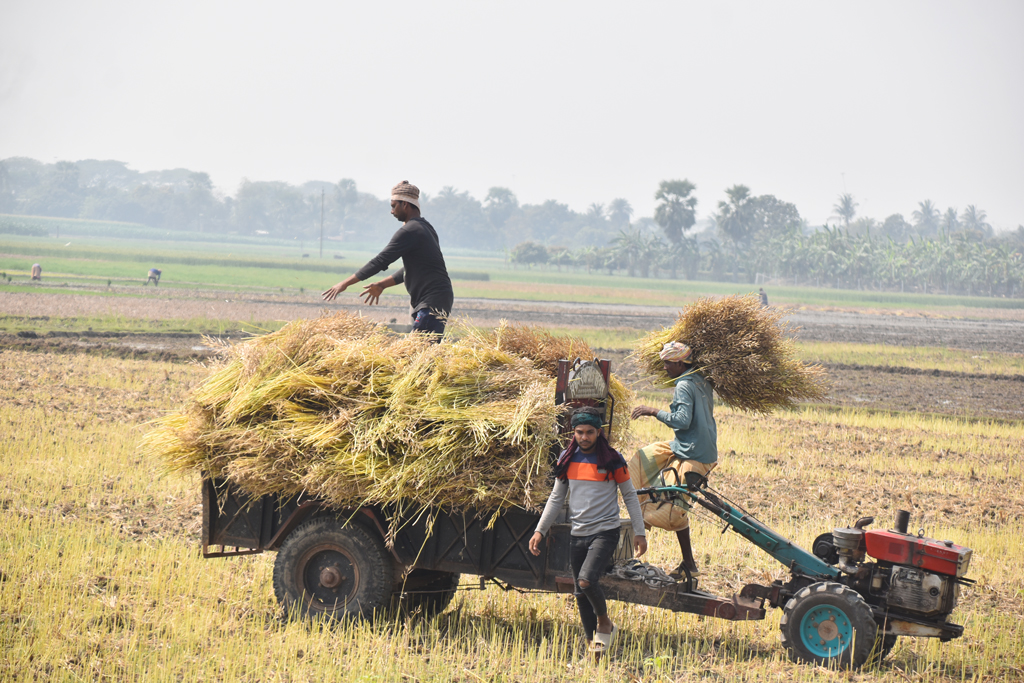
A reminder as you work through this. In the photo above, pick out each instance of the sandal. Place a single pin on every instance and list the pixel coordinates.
(678, 573)
(603, 641)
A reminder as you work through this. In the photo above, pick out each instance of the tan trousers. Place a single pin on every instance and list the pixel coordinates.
(645, 470)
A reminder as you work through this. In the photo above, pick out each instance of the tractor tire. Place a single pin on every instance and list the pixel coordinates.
(830, 625)
(427, 592)
(326, 569)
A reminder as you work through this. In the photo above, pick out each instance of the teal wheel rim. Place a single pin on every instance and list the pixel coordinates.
(826, 631)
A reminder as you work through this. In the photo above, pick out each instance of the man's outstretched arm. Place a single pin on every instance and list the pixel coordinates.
(339, 288)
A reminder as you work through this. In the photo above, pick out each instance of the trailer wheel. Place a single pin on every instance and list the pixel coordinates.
(828, 624)
(324, 568)
(428, 591)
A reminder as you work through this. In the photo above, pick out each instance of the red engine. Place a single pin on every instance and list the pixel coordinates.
(943, 557)
(916, 575)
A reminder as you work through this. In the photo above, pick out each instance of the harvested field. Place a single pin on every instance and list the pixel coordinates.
(994, 330)
(102, 578)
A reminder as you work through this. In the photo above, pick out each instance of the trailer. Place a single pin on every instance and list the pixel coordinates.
(355, 561)
(338, 563)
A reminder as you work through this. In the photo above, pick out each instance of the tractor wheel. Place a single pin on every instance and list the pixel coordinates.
(828, 624)
(427, 591)
(324, 568)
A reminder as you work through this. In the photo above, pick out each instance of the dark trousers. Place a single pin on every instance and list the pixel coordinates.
(424, 320)
(590, 557)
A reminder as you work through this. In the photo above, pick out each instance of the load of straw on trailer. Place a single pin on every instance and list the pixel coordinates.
(341, 409)
(743, 350)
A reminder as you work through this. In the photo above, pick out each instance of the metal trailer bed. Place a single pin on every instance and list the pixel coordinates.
(337, 561)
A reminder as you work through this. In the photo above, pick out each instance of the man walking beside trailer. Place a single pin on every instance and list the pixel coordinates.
(423, 268)
(694, 448)
(591, 474)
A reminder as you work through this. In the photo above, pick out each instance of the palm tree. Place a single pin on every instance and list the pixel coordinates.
(950, 223)
(845, 208)
(677, 211)
(620, 213)
(627, 247)
(974, 219)
(926, 218)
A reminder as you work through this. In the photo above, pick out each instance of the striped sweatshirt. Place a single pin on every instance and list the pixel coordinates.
(593, 498)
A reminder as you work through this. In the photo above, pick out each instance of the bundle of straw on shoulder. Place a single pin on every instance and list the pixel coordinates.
(743, 350)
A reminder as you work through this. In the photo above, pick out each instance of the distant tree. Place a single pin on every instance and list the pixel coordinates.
(6, 190)
(926, 218)
(676, 211)
(950, 222)
(459, 219)
(770, 217)
(896, 228)
(845, 209)
(65, 176)
(620, 213)
(274, 207)
(550, 222)
(499, 205)
(59, 195)
(734, 217)
(529, 253)
(973, 219)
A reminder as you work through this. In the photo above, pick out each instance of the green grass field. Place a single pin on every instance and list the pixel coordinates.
(93, 261)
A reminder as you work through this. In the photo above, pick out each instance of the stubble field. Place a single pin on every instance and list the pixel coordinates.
(102, 578)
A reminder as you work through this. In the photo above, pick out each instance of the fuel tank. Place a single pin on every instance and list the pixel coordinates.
(942, 557)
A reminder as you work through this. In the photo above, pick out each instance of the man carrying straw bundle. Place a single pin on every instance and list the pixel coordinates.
(592, 474)
(423, 268)
(694, 448)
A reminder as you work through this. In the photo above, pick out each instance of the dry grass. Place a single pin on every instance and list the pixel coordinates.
(340, 409)
(102, 578)
(742, 349)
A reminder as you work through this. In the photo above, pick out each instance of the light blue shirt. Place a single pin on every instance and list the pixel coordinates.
(692, 417)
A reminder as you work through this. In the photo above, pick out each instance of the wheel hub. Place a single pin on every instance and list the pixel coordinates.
(826, 631)
(327, 575)
(330, 577)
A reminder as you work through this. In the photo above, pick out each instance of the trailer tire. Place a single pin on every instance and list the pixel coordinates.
(325, 568)
(426, 591)
(828, 624)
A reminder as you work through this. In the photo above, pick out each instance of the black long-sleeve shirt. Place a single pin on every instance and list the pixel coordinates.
(423, 269)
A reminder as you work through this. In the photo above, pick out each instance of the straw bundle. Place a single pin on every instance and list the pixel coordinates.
(743, 349)
(342, 410)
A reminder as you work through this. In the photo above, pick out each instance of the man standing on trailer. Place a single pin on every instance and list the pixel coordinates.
(694, 449)
(592, 474)
(423, 268)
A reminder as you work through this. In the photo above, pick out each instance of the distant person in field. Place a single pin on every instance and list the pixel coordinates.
(423, 269)
(37, 271)
(154, 277)
(764, 297)
(695, 446)
(591, 475)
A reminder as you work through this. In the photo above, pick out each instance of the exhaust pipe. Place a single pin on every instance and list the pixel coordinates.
(902, 520)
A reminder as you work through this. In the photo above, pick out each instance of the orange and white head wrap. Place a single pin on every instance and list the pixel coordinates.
(676, 352)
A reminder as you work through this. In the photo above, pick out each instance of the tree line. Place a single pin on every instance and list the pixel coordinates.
(180, 199)
(746, 238)
(761, 238)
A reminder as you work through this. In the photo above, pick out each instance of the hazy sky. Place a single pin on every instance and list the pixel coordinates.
(894, 102)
